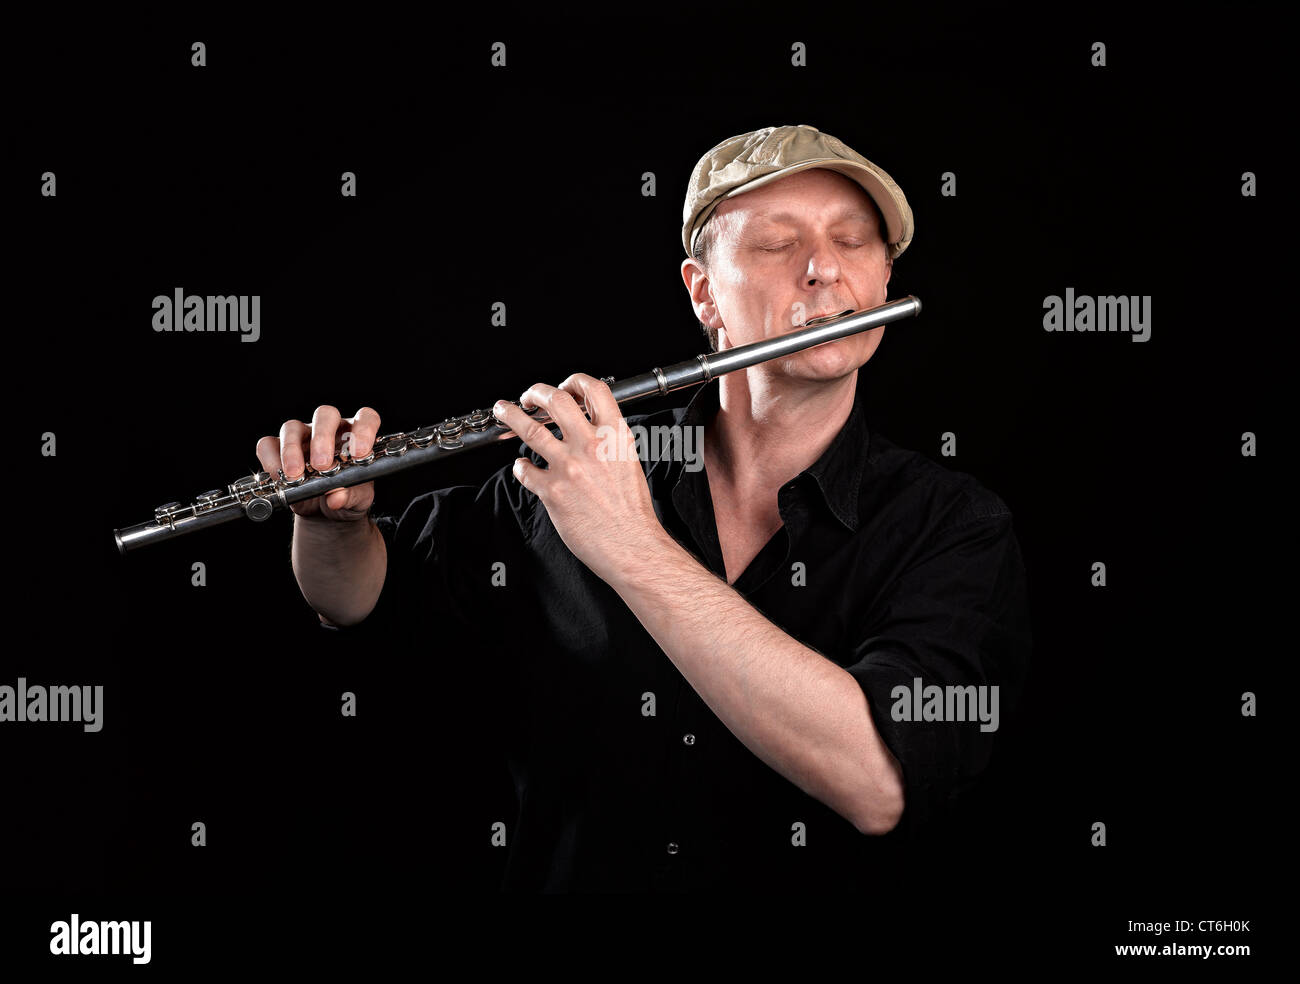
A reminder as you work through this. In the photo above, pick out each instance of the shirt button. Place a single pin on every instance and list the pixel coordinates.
(672, 847)
(688, 738)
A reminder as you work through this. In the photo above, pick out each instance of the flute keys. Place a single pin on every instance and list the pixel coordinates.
(502, 424)
(334, 469)
(251, 481)
(165, 511)
(425, 436)
(208, 500)
(258, 509)
(479, 420)
(449, 432)
(292, 482)
(396, 446)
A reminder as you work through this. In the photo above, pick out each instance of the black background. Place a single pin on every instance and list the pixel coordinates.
(523, 185)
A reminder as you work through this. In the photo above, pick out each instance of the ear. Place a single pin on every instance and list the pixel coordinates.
(700, 290)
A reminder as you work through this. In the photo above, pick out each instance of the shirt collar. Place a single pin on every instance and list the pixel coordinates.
(837, 473)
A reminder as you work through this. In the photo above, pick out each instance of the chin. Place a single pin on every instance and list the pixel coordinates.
(821, 365)
(835, 360)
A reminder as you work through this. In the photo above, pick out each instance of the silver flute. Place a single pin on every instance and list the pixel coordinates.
(259, 495)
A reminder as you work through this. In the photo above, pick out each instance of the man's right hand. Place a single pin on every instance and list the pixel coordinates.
(316, 443)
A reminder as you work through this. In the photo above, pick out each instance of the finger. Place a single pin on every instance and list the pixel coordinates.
(531, 477)
(561, 407)
(348, 504)
(293, 437)
(531, 432)
(364, 427)
(595, 395)
(324, 436)
(268, 454)
(339, 499)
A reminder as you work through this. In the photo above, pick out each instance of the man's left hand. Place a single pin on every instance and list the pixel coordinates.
(593, 487)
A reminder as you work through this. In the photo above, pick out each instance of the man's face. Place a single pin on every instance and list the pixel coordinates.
(800, 248)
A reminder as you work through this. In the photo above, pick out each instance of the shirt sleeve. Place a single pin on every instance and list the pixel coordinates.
(440, 553)
(956, 617)
(415, 575)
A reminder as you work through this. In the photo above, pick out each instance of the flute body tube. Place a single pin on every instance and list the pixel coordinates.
(260, 495)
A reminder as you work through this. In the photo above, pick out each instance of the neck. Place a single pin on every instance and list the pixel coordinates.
(770, 428)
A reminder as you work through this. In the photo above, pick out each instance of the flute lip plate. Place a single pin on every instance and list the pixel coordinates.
(812, 322)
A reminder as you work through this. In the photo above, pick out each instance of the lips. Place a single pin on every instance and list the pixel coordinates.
(814, 317)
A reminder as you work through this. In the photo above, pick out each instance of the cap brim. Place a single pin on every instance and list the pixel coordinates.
(895, 210)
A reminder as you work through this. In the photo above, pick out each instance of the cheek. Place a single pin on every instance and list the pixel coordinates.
(737, 293)
(873, 285)
(732, 277)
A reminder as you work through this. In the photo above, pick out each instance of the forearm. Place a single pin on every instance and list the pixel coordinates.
(796, 710)
(340, 566)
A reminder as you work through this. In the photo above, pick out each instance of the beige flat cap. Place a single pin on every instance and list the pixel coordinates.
(751, 160)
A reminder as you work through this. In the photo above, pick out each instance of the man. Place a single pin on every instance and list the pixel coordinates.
(696, 673)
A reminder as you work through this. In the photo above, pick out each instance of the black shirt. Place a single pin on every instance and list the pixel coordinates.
(888, 564)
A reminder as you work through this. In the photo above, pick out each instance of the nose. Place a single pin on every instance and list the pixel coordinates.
(823, 265)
